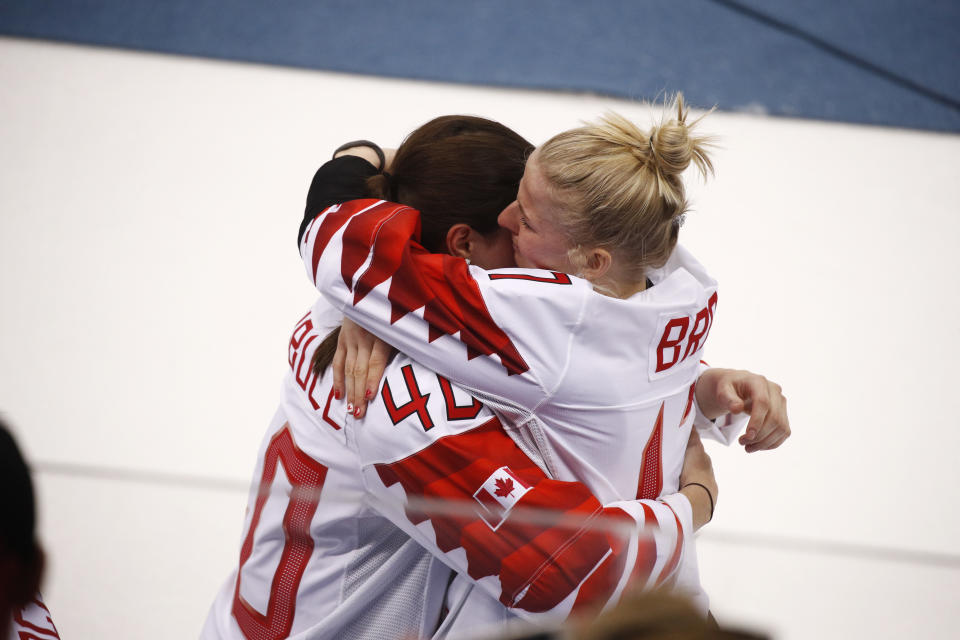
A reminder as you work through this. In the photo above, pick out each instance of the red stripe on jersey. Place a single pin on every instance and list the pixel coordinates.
(558, 278)
(649, 517)
(330, 224)
(689, 406)
(37, 601)
(646, 559)
(538, 566)
(647, 548)
(674, 560)
(651, 471)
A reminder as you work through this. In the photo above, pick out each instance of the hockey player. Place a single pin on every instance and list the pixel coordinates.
(585, 366)
(334, 523)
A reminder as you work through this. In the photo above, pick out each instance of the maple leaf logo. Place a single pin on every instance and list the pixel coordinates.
(504, 487)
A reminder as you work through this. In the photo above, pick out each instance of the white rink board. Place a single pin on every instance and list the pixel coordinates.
(796, 595)
(135, 560)
(148, 207)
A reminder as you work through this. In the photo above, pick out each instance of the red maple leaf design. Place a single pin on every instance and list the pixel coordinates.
(504, 487)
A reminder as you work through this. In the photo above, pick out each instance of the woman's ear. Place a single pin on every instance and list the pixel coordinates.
(458, 240)
(597, 264)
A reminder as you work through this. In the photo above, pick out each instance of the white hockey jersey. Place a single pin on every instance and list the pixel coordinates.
(602, 389)
(33, 622)
(353, 526)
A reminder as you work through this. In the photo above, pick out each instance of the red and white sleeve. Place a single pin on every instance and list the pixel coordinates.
(542, 547)
(33, 622)
(485, 331)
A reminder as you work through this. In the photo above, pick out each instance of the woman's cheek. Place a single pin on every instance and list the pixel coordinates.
(524, 258)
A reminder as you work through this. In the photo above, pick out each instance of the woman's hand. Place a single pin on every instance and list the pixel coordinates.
(358, 366)
(368, 154)
(697, 481)
(721, 391)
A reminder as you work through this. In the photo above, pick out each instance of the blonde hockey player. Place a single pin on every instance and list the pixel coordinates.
(593, 352)
(342, 538)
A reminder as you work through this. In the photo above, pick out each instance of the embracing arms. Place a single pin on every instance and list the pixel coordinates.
(542, 547)
(361, 358)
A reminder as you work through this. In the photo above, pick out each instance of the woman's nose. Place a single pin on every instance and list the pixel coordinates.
(508, 217)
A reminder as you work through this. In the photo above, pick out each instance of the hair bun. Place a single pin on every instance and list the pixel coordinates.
(621, 186)
(673, 145)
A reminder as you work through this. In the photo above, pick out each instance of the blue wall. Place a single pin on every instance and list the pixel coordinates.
(886, 62)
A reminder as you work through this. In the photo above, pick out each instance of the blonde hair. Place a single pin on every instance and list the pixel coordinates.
(621, 188)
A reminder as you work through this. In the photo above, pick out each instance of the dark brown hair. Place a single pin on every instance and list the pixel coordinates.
(21, 557)
(453, 170)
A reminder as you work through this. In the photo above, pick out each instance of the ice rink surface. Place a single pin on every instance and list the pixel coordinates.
(148, 208)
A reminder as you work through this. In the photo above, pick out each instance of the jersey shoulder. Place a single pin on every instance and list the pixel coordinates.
(541, 307)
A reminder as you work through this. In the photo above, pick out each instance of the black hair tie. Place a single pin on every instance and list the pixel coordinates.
(709, 495)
